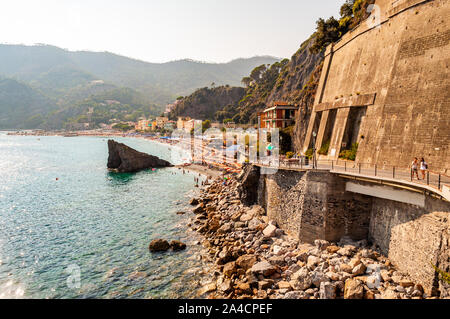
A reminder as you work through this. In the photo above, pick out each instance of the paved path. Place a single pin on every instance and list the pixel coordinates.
(400, 174)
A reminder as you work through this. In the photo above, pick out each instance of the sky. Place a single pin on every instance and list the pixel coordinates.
(166, 30)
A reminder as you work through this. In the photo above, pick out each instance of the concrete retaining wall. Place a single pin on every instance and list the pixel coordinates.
(313, 205)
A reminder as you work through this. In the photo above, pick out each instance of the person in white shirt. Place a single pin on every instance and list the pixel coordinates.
(423, 167)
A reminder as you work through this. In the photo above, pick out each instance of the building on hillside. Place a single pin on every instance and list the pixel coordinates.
(161, 120)
(261, 120)
(111, 102)
(280, 115)
(170, 107)
(170, 125)
(143, 125)
(181, 122)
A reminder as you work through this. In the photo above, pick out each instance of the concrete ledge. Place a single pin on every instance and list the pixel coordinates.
(398, 183)
(358, 100)
(402, 196)
(402, 6)
(446, 192)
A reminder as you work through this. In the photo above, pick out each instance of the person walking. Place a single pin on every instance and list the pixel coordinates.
(423, 167)
(414, 168)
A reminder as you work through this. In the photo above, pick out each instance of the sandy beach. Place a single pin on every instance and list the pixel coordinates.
(211, 173)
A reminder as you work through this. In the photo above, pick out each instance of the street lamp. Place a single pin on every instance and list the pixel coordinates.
(314, 150)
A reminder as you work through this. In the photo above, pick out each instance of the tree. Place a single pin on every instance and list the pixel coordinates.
(206, 125)
(327, 32)
(257, 73)
(246, 81)
(347, 9)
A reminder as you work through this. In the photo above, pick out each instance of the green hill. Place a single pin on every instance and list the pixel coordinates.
(21, 105)
(51, 67)
(53, 80)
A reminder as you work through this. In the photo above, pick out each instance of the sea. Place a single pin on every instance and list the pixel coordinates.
(69, 228)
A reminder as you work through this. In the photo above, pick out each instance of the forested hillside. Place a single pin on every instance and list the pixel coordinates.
(209, 103)
(20, 105)
(65, 80)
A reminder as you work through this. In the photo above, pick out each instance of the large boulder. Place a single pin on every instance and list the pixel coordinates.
(159, 245)
(177, 245)
(124, 159)
(248, 188)
(246, 261)
(301, 280)
(327, 290)
(229, 269)
(263, 268)
(353, 289)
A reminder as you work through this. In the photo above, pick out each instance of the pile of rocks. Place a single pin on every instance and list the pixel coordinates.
(159, 245)
(253, 258)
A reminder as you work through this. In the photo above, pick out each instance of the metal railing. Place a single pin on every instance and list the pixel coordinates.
(429, 178)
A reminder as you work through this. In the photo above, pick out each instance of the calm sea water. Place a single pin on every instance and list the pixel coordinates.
(90, 224)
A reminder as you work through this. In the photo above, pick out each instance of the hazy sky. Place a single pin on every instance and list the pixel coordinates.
(165, 30)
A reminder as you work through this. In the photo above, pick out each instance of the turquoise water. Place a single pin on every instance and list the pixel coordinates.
(86, 234)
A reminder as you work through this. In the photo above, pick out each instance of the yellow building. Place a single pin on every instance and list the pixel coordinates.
(161, 121)
(143, 125)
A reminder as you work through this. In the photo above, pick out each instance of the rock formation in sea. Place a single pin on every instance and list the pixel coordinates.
(157, 245)
(124, 159)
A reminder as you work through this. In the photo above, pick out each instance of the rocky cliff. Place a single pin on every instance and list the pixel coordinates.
(206, 102)
(125, 159)
(292, 80)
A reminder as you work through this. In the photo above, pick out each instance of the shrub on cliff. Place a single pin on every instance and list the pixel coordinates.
(352, 12)
(444, 276)
(324, 149)
(289, 154)
(349, 154)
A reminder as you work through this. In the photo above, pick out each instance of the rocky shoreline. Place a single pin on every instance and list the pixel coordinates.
(253, 259)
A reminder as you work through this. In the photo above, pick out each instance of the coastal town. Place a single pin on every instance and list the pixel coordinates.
(279, 115)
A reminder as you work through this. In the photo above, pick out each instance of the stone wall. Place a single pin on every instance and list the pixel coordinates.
(414, 237)
(404, 63)
(313, 205)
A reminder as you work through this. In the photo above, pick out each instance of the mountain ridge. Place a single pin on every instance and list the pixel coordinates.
(66, 77)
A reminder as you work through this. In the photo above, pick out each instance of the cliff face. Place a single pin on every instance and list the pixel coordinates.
(293, 84)
(293, 80)
(387, 89)
(205, 102)
(299, 86)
